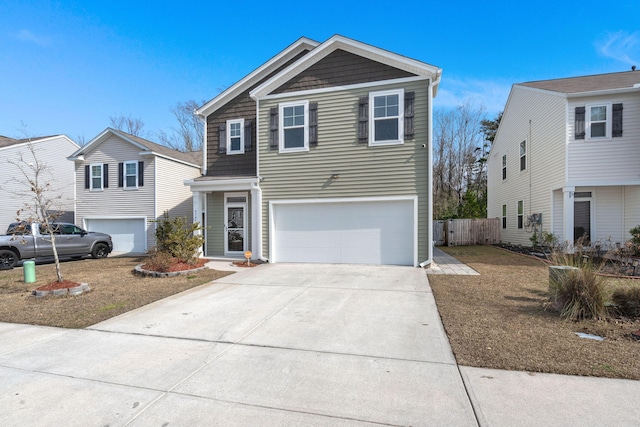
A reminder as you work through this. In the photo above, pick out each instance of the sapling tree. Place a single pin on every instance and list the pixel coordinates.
(41, 201)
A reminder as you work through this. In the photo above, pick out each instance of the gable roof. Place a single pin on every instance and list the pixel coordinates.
(352, 46)
(298, 47)
(193, 158)
(6, 141)
(627, 80)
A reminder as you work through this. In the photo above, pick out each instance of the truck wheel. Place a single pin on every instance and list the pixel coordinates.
(100, 250)
(8, 259)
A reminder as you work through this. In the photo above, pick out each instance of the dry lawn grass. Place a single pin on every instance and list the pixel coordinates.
(498, 320)
(115, 290)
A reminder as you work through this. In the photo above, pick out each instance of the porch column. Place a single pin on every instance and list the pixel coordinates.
(567, 215)
(197, 214)
(256, 221)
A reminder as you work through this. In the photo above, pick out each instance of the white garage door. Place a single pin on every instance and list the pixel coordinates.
(128, 234)
(376, 232)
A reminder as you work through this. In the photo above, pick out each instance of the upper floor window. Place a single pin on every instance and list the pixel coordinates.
(130, 174)
(520, 213)
(386, 110)
(235, 136)
(523, 155)
(598, 121)
(504, 167)
(504, 216)
(294, 126)
(96, 177)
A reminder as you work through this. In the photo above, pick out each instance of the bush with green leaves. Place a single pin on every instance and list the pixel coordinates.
(634, 243)
(579, 292)
(176, 237)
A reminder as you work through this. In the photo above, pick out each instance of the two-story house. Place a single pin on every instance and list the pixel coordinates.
(566, 159)
(322, 154)
(123, 183)
(51, 152)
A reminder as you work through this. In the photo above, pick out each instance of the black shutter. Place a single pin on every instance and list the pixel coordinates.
(222, 139)
(579, 130)
(105, 175)
(87, 176)
(617, 120)
(313, 124)
(248, 126)
(409, 98)
(273, 129)
(120, 175)
(363, 119)
(140, 174)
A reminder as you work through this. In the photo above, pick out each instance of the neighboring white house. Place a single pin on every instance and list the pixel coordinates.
(52, 151)
(566, 159)
(124, 182)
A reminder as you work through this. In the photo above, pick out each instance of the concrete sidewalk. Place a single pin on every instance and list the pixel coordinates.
(285, 345)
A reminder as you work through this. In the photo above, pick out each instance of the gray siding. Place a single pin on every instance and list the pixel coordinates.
(215, 224)
(172, 195)
(394, 170)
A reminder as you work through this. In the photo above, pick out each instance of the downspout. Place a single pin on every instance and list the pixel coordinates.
(429, 259)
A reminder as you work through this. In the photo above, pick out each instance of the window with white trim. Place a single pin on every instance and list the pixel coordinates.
(504, 167)
(598, 121)
(386, 110)
(130, 174)
(294, 126)
(504, 216)
(523, 155)
(235, 136)
(96, 176)
(520, 213)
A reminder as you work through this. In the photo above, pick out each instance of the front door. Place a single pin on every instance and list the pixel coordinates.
(235, 224)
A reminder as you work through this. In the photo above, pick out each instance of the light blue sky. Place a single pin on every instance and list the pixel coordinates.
(67, 66)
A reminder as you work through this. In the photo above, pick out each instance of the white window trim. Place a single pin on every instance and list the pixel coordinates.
(520, 203)
(503, 223)
(372, 119)
(91, 187)
(522, 155)
(124, 175)
(608, 125)
(229, 123)
(281, 108)
(504, 167)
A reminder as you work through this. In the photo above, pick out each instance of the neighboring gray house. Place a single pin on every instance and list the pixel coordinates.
(323, 154)
(124, 182)
(50, 150)
(566, 159)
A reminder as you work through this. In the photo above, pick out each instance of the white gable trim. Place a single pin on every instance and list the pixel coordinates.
(269, 66)
(339, 42)
(38, 141)
(103, 136)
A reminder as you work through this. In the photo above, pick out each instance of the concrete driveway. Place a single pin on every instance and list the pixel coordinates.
(284, 344)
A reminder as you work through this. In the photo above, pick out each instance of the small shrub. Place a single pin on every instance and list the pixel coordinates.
(634, 243)
(158, 261)
(176, 238)
(627, 301)
(579, 293)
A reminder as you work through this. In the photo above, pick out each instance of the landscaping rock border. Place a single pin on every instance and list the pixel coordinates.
(141, 271)
(76, 290)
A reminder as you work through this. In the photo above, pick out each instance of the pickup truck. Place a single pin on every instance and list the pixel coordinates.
(31, 241)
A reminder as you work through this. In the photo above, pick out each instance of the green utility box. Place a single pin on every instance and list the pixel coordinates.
(29, 271)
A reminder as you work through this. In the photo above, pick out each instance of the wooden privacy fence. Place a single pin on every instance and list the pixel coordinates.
(461, 232)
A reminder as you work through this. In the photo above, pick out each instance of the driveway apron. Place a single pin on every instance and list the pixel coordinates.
(283, 344)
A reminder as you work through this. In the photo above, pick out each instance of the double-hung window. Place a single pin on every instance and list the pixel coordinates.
(294, 126)
(96, 176)
(235, 136)
(130, 176)
(523, 155)
(520, 213)
(504, 216)
(504, 167)
(386, 109)
(598, 121)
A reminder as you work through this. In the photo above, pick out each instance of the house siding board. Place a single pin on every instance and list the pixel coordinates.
(394, 170)
(609, 214)
(215, 225)
(558, 206)
(613, 160)
(539, 119)
(172, 195)
(341, 68)
(53, 152)
(631, 196)
(115, 201)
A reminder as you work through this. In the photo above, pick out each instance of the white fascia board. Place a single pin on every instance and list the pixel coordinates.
(173, 159)
(604, 92)
(601, 183)
(101, 138)
(242, 85)
(221, 184)
(339, 42)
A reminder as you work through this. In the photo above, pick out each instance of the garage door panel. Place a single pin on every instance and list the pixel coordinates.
(345, 232)
(128, 234)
